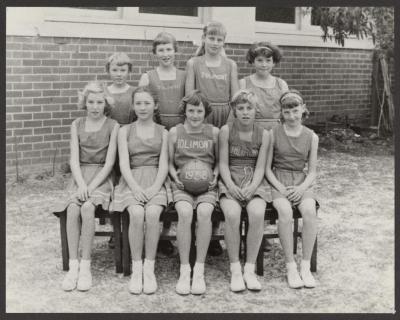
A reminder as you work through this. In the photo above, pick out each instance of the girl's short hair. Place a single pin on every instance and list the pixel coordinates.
(211, 28)
(120, 58)
(156, 114)
(95, 87)
(243, 96)
(164, 38)
(291, 99)
(195, 98)
(263, 48)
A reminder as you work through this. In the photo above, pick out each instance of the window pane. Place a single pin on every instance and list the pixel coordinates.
(315, 17)
(97, 8)
(179, 11)
(275, 14)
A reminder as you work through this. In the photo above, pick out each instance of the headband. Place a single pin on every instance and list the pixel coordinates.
(266, 48)
(292, 95)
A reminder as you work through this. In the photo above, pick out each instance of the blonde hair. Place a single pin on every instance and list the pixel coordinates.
(243, 96)
(120, 59)
(95, 87)
(212, 28)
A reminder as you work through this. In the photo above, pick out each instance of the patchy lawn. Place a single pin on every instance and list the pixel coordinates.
(355, 253)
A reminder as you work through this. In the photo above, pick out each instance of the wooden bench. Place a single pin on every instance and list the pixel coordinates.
(101, 215)
(170, 214)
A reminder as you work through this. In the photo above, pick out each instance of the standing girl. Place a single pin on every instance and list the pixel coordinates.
(119, 66)
(263, 56)
(93, 149)
(168, 84)
(213, 74)
(188, 141)
(143, 152)
(242, 158)
(294, 146)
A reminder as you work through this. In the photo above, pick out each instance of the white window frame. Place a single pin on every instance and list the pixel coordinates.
(78, 13)
(133, 13)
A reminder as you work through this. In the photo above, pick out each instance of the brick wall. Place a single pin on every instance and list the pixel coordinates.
(43, 75)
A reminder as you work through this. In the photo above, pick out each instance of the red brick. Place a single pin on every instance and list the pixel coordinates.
(47, 93)
(60, 55)
(24, 147)
(13, 94)
(32, 124)
(50, 47)
(32, 93)
(13, 78)
(12, 155)
(43, 70)
(30, 154)
(42, 85)
(13, 124)
(61, 115)
(23, 132)
(71, 63)
(88, 48)
(61, 85)
(67, 122)
(69, 77)
(21, 86)
(31, 46)
(22, 116)
(52, 137)
(13, 63)
(87, 77)
(41, 55)
(51, 107)
(31, 62)
(32, 78)
(13, 109)
(42, 115)
(45, 130)
(61, 130)
(80, 56)
(41, 160)
(61, 144)
(61, 70)
(22, 70)
(52, 122)
(51, 77)
(32, 108)
(50, 153)
(30, 139)
(13, 46)
(22, 54)
(42, 100)
(69, 107)
(67, 93)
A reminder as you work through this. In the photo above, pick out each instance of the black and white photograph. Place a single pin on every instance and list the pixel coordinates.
(226, 159)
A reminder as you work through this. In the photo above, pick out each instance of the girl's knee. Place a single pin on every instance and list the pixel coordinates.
(87, 210)
(152, 214)
(185, 215)
(256, 210)
(73, 211)
(285, 211)
(136, 214)
(204, 214)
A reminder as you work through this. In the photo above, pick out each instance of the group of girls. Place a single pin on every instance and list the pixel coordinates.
(251, 135)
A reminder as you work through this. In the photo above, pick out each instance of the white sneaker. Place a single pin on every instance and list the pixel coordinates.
(183, 285)
(237, 282)
(251, 281)
(136, 284)
(308, 279)
(294, 279)
(198, 284)
(70, 281)
(149, 282)
(84, 280)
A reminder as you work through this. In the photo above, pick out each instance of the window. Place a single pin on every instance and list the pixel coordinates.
(315, 19)
(178, 11)
(98, 8)
(276, 14)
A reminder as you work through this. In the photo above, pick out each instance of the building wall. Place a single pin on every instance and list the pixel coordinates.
(43, 75)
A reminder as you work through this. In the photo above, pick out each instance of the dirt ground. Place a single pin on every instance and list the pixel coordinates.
(355, 251)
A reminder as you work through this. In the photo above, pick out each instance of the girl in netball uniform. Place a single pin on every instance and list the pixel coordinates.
(193, 140)
(213, 74)
(243, 149)
(93, 149)
(264, 56)
(293, 146)
(168, 84)
(143, 152)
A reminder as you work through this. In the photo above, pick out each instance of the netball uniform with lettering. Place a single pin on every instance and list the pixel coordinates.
(289, 160)
(122, 109)
(144, 155)
(214, 83)
(169, 94)
(243, 157)
(93, 147)
(190, 146)
(268, 107)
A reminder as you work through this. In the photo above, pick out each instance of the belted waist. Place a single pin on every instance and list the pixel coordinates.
(144, 165)
(91, 164)
(288, 170)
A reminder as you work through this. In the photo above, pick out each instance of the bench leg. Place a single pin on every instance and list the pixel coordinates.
(295, 235)
(126, 257)
(116, 222)
(313, 263)
(64, 240)
(246, 230)
(260, 258)
(192, 254)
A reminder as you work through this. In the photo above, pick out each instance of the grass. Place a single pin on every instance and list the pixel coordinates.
(355, 253)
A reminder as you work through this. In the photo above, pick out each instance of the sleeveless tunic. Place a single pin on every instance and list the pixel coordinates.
(290, 159)
(269, 110)
(93, 148)
(189, 146)
(169, 93)
(144, 155)
(215, 84)
(243, 157)
(122, 110)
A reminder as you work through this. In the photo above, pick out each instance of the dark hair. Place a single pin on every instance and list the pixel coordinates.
(263, 48)
(291, 99)
(95, 87)
(212, 28)
(156, 114)
(195, 98)
(164, 38)
(120, 58)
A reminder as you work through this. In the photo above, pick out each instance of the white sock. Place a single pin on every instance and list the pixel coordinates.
(137, 266)
(305, 265)
(148, 265)
(185, 268)
(249, 267)
(84, 265)
(198, 268)
(73, 265)
(291, 266)
(236, 267)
